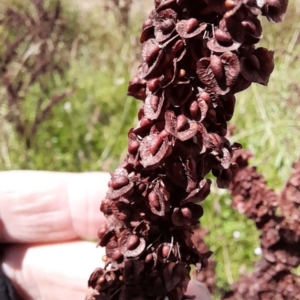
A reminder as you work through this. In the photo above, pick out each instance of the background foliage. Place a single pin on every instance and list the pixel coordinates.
(87, 130)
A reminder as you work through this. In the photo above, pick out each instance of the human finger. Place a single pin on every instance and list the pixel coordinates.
(39, 206)
(60, 271)
(52, 272)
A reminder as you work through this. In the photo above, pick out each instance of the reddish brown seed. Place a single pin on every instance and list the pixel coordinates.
(132, 242)
(101, 232)
(216, 67)
(119, 181)
(178, 46)
(153, 199)
(191, 25)
(100, 280)
(155, 144)
(194, 108)
(105, 205)
(211, 113)
(163, 134)
(186, 212)
(229, 4)
(151, 52)
(144, 122)
(104, 258)
(250, 26)
(124, 214)
(154, 100)
(165, 251)
(167, 25)
(147, 23)
(181, 122)
(141, 92)
(149, 257)
(142, 187)
(222, 36)
(254, 61)
(116, 254)
(133, 146)
(205, 96)
(181, 73)
(153, 84)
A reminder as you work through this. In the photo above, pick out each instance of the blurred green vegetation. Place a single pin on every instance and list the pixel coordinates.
(88, 130)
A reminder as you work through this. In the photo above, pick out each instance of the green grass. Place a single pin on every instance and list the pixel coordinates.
(87, 131)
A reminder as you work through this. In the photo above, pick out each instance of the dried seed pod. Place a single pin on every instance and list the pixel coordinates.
(150, 51)
(186, 212)
(119, 182)
(222, 36)
(181, 122)
(102, 231)
(194, 108)
(165, 251)
(254, 61)
(153, 84)
(216, 66)
(153, 199)
(132, 242)
(155, 144)
(191, 24)
(124, 214)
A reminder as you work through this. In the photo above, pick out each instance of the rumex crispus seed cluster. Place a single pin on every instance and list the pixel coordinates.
(278, 219)
(196, 55)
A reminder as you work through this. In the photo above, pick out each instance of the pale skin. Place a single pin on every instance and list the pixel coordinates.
(46, 219)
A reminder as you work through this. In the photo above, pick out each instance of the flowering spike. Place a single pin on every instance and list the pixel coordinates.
(196, 55)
